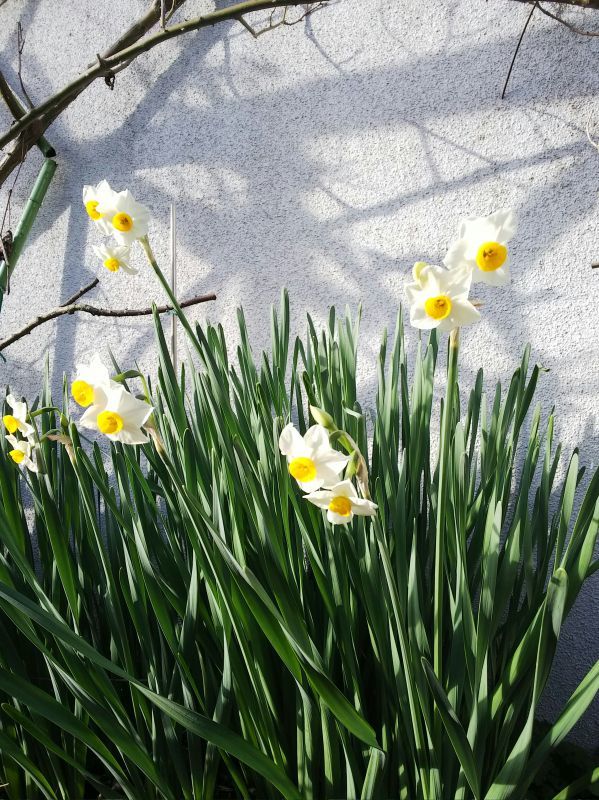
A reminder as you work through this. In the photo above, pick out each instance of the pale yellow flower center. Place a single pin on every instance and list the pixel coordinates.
(122, 222)
(83, 393)
(10, 423)
(112, 264)
(110, 422)
(340, 505)
(490, 256)
(91, 208)
(438, 307)
(302, 469)
(16, 455)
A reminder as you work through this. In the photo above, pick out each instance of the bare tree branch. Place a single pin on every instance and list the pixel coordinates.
(579, 3)
(46, 112)
(568, 25)
(73, 307)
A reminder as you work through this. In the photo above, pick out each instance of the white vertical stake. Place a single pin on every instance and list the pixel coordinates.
(174, 284)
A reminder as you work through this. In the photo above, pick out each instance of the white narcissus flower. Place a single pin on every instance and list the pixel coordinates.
(21, 452)
(439, 299)
(311, 459)
(115, 257)
(342, 503)
(92, 383)
(128, 218)
(482, 247)
(119, 417)
(17, 421)
(93, 198)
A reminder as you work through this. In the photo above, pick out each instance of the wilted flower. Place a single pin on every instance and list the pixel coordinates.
(95, 196)
(119, 416)
(342, 503)
(115, 257)
(92, 383)
(128, 218)
(311, 459)
(482, 247)
(21, 452)
(439, 299)
(17, 421)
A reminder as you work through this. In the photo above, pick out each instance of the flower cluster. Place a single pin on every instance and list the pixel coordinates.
(438, 297)
(23, 445)
(316, 467)
(110, 408)
(120, 215)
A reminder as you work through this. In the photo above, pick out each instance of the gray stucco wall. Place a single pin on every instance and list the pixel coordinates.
(328, 157)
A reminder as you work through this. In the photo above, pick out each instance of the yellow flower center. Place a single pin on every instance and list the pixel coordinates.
(112, 264)
(10, 423)
(16, 455)
(490, 256)
(122, 222)
(302, 469)
(91, 207)
(83, 393)
(340, 505)
(438, 307)
(110, 422)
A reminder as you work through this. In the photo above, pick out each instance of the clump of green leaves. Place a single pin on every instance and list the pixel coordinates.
(180, 623)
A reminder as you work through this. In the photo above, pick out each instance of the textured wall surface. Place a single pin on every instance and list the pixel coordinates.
(328, 157)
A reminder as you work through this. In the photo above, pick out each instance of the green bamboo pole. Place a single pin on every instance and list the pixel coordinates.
(34, 203)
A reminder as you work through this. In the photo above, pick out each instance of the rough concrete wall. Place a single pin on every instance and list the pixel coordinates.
(329, 157)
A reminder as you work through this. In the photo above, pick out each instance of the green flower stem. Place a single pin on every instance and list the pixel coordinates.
(145, 243)
(440, 524)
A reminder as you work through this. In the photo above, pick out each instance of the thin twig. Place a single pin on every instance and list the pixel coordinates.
(80, 292)
(589, 4)
(84, 308)
(568, 25)
(20, 48)
(518, 48)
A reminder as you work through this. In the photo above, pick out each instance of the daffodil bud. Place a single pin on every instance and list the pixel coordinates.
(323, 418)
(352, 466)
(417, 269)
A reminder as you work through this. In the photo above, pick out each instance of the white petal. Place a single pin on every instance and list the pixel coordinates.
(456, 255)
(328, 477)
(506, 223)
(363, 507)
(420, 319)
(89, 418)
(291, 443)
(344, 489)
(463, 313)
(497, 277)
(338, 519)
(13, 441)
(311, 486)
(30, 464)
(332, 459)
(320, 498)
(26, 429)
(129, 435)
(317, 438)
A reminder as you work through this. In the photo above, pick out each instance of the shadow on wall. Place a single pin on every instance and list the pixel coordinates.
(266, 192)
